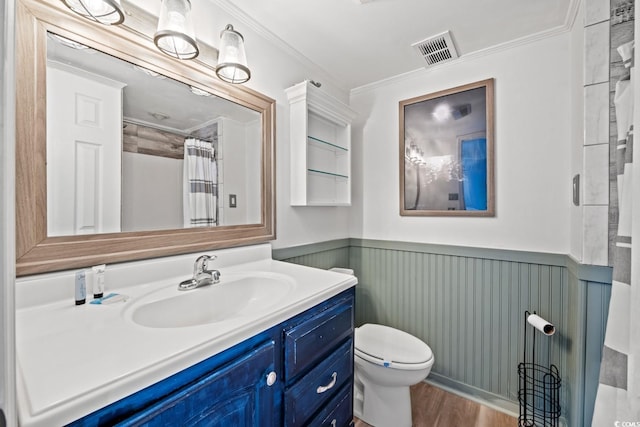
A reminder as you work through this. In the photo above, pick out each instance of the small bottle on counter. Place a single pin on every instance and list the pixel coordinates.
(81, 288)
(98, 280)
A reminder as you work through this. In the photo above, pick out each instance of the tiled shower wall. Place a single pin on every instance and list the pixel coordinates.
(621, 32)
(607, 25)
(595, 174)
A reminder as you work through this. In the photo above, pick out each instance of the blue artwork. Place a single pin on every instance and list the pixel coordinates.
(473, 156)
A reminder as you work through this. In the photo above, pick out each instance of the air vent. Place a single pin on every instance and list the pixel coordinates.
(436, 49)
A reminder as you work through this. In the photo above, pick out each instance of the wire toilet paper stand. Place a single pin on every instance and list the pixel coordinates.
(539, 392)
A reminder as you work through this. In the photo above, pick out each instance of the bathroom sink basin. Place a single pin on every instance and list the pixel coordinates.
(236, 295)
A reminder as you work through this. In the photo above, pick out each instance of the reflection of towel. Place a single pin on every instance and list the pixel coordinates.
(200, 184)
(626, 53)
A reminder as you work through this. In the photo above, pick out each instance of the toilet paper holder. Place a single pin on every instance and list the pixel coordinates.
(539, 392)
(540, 324)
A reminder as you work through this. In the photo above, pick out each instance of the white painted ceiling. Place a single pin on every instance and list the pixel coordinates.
(361, 43)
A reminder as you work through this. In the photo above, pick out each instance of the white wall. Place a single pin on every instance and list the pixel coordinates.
(577, 122)
(238, 163)
(151, 192)
(533, 152)
(253, 132)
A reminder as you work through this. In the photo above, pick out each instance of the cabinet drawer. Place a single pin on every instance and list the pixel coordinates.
(311, 340)
(317, 387)
(339, 411)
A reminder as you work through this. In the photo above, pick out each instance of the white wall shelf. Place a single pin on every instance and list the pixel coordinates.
(320, 127)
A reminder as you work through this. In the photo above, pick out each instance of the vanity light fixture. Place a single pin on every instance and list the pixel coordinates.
(108, 12)
(148, 72)
(442, 112)
(232, 61)
(197, 91)
(67, 42)
(175, 35)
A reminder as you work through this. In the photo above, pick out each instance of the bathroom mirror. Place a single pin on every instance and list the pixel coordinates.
(116, 134)
(78, 205)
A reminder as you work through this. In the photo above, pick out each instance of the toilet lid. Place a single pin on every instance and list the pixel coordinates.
(380, 344)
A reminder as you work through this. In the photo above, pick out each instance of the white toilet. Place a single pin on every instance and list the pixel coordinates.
(387, 362)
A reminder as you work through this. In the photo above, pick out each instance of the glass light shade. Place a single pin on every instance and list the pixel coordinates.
(175, 35)
(108, 12)
(232, 61)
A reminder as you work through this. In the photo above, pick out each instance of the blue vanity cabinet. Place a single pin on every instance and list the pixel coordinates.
(240, 394)
(299, 372)
(233, 388)
(318, 365)
(338, 411)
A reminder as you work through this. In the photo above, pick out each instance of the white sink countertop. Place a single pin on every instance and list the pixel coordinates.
(73, 360)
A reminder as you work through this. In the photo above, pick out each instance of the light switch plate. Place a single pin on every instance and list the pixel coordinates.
(232, 200)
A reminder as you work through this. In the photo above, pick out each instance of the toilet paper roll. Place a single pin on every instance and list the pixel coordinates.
(540, 324)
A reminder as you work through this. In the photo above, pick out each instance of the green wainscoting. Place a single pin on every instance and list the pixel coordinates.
(468, 304)
(325, 255)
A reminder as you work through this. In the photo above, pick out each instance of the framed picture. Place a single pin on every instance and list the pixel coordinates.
(446, 152)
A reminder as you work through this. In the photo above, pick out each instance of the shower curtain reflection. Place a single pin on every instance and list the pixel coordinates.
(200, 203)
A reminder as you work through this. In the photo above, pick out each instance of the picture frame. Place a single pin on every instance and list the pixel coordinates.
(447, 152)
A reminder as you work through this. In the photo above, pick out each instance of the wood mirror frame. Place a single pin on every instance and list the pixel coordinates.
(38, 253)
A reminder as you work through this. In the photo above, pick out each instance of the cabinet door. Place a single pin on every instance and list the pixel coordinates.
(236, 395)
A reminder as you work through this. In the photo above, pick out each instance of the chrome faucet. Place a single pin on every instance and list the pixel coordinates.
(201, 275)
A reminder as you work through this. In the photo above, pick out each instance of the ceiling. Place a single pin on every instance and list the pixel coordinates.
(359, 42)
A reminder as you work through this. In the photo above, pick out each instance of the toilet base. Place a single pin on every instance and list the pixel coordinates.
(382, 406)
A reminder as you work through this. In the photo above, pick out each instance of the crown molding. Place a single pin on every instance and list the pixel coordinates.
(572, 13)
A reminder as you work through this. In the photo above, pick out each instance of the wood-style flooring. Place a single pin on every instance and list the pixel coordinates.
(433, 407)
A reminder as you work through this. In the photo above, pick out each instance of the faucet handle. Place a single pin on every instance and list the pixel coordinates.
(215, 275)
(200, 265)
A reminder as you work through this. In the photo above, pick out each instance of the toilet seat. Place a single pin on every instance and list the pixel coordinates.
(390, 347)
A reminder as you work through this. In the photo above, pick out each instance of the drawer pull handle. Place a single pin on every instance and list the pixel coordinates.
(271, 378)
(322, 388)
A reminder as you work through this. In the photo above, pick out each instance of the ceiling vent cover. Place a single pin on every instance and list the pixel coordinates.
(436, 49)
